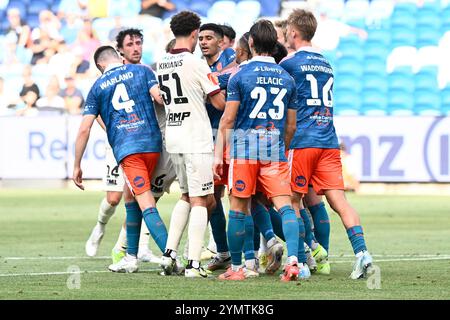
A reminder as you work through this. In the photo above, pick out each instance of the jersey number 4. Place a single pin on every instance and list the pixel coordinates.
(261, 94)
(167, 96)
(121, 100)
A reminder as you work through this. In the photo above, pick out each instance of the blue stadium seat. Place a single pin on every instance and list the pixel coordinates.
(405, 8)
(346, 103)
(270, 8)
(428, 18)
(249, 8)
(400, 103)
(221, 11)
(445, 101)
(355, 52)
(427, 103)
(379, 12)
(199, 6)
(33, 20)
(381, 36)
(374, 49)
(404, 20)
(349, 66)
(355, 12)
(347, 82)
(121, 8)
(375, 65)
(375, 82)
(427, 36)
(425, 79)
(37, 6)
(374, 103)
(399, 80)
(403, 37)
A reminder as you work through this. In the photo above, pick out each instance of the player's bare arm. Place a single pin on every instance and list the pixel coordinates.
(80, 147)
(218, 101)
(225, 126)
(101, 123)
(291, 127)
(156, 95)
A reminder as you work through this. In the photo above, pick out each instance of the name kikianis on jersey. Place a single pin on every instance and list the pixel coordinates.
(176, 118)
(170, 64)
(119, 78)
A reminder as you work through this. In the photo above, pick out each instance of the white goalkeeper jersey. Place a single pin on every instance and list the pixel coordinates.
(185, 80)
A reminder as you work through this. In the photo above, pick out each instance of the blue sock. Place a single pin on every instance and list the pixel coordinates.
(356, 237)
(256, 237)
(277, 223)
(236, 235)
(321, 224)
(301, 240)
(133, 222)
(249, 248)
(262, 219)
(219, 228)
(309, 235)
(156, 227)
(290, 229)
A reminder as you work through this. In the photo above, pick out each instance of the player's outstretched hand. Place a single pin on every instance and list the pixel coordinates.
(78, 178)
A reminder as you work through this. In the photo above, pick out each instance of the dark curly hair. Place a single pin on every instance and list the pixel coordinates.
(128, 32)
(279, 53)
(183, 23)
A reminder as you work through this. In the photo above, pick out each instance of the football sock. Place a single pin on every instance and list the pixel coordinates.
(178, 222)
(198, 222)
(156, 227)
(262, 219)
(105, 211)
(211, 243)
(121, 243)
(309, 235)
(219, 227)
(290, 230)
(236, 236)
(249, 252)
(144, 238)
(321, 224)
(356, 237)
(301, 241)
(277, 223)
(256, 237)
(133, 220)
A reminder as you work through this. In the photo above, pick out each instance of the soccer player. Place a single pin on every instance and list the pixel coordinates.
(185, 80)
(314, 154)
(261, 110)
(229, 36)
(210, 40)
(122, 96)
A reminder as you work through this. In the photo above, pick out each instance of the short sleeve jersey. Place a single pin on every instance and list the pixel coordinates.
(226, 58)
(265, 92)
(185, 81)
(121, 96)
(314, 78)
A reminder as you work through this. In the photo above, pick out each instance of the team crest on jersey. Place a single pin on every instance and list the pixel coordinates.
(213, 78)
(300, 181)
(139, 182)
(239, 185)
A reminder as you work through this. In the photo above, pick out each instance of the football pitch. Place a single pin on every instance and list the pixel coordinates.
(43, 232)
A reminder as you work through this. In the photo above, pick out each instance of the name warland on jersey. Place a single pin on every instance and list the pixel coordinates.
(117, 79)
(316, 68)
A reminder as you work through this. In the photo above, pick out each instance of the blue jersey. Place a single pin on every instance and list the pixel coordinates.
(314, 79)
(121, 96)
(265, 92)
(225, 58)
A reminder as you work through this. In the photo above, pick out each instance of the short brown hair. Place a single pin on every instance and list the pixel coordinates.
(304, 22)
(282, 24)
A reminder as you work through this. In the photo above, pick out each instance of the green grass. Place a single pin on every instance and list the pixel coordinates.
(56, 223)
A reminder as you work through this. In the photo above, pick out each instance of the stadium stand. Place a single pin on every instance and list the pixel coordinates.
(389, 58)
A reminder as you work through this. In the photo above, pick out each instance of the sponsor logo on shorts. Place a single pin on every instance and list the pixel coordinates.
(239, 185)
(300, 181)
(139, 182)
(207, 186)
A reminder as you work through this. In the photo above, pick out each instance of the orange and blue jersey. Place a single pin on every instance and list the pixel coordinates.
(226, 57)
(121, 97)
(314, 78)
(265, 92)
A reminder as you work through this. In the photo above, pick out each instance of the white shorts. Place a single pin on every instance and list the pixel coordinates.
(194, 172)
(163, 176)
(113, 179)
